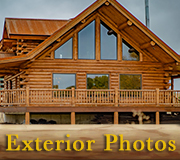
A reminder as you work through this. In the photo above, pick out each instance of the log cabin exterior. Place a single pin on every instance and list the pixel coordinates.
(104, 40)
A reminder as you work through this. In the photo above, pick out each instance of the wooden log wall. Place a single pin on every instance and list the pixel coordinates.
(40, 73)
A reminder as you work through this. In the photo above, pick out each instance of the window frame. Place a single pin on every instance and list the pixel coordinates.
(98, 74)
(132, 75)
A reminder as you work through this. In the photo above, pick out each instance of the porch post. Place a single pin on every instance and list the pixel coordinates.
(27, 118)
(27, 95)
(116, 120)
(157, 118)
(157, 96)
(73, 118)
(172, 88)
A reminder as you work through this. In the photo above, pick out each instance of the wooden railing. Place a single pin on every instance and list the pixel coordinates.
(168, 97)
(92, 97)
(13, 97)
(137, 96)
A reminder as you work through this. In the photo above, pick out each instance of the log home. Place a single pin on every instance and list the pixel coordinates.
(103, 60)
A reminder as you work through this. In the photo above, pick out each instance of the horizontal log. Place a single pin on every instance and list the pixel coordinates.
(47, 65)
(94, 61)
(35, 76)
(39, 73)
(92, 70)
(38, 83)
(40, 86)
(71, 68)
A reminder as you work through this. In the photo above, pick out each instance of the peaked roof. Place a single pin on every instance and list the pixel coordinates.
(32, 26)
(66, 27)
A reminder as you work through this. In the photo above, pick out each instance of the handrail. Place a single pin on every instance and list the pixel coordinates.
(76, 97)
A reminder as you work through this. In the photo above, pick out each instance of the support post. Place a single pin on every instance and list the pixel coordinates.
(98, 43)
(157, 118)
(72, 117)
(157, 96)
(27, 118)
(119, 49)
(172, 88)
(75, 46)
(27, 96)
(116, 118)
(116, 97)
(73, 100)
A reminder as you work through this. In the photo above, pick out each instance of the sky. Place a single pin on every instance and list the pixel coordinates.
(164, 15)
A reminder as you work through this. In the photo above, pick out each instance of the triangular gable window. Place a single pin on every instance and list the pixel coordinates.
(64, 51)
(129, 53)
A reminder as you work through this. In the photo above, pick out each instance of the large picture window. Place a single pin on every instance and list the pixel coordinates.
(97, 81)
(129, 53)
(64, 51)
(64, 81)
(86, 42)
(108, 43)
(128, 81)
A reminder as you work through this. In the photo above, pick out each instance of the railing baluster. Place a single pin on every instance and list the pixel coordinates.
(84, 96)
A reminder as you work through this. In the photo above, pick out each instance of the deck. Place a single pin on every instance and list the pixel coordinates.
(89, 98)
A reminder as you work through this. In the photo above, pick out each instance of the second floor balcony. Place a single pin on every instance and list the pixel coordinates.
(88, 97)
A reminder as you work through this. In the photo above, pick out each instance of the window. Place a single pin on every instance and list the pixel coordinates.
(108, 43)
(64, 51)
(97, 81)
(129, 53)
(130, 81)
(64, 81)
(86, 42)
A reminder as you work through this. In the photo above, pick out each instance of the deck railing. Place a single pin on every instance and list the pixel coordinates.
(13, 97)
(96, 97)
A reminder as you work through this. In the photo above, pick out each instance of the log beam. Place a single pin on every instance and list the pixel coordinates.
(98, 43)
(119, 49)
(147, 45)
(124, 25)
(107, 3)
(75, 46)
